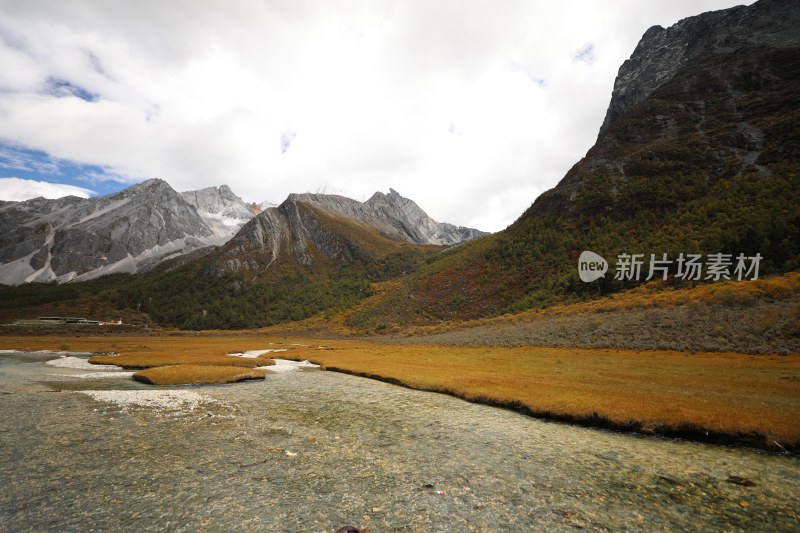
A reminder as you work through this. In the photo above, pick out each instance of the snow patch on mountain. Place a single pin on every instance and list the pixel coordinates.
(223, 211)
(75, 238)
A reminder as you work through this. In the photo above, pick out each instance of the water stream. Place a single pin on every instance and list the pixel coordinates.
(314, 451)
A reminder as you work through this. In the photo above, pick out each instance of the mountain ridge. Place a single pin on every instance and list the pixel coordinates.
(702, 160)
(704, 113)
(74, 238)
(132, 231)
(335, 228)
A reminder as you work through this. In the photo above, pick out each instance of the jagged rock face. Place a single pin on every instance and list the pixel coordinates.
(224, 212)
(713, 97)
(662, 53)
(412, 223)
(393, 216)
(307, 226)
(74, 238)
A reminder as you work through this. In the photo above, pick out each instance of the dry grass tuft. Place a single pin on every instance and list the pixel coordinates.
(134, 362)
(196, 375)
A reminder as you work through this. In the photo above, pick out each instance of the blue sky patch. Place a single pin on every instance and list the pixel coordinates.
(585, 54)
(286, 140)
(25, 163)
(62, 88)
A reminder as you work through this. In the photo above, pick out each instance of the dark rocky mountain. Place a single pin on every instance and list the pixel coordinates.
(74, 238)
(664, 52)
(715, 94)
(320, 227)
(699, 153)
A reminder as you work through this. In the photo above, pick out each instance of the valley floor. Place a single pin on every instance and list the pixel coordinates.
(314, 451)
(724, 397)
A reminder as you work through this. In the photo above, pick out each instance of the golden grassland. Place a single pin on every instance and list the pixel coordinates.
(138, 361)
(753, 399)
(183, 354)
(195, 374)
(656, 294)
(185, 364)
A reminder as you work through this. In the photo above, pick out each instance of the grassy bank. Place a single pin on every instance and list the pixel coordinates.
(195, 374)
(140, 361)
(725, 397)
(722, 397)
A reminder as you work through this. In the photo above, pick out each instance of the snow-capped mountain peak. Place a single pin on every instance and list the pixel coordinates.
(223, 211)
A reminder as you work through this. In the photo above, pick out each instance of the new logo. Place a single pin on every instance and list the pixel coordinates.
(591, 266)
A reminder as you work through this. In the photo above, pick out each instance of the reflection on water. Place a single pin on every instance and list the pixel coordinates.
(313, 451)
(10, 358)
(122, 383)
(18, 369)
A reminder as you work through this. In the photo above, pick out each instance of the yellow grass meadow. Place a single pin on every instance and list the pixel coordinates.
(197, 374)
(138, 361)
(756, 397)
(744, 398)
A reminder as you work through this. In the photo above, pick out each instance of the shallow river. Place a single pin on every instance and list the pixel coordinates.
(314, 451)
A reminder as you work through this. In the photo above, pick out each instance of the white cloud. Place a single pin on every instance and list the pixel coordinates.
(18, 189)
(205, 92)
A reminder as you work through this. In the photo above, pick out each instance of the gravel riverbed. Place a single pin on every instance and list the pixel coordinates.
(313, 451)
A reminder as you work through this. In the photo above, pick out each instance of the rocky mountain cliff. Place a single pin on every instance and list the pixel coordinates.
(393, 214)
(223, 211)
(664, 52)
(336, 228)
(699, 153)
(74, 238)
(715, 94)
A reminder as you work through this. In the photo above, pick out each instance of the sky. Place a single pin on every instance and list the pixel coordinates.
(472, 108)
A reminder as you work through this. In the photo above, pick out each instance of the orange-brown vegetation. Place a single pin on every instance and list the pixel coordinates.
(197, 374)
(656, 294)
(133, 362)
(167, 362)
(745, 398)
(754, 398)
(771, 304)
